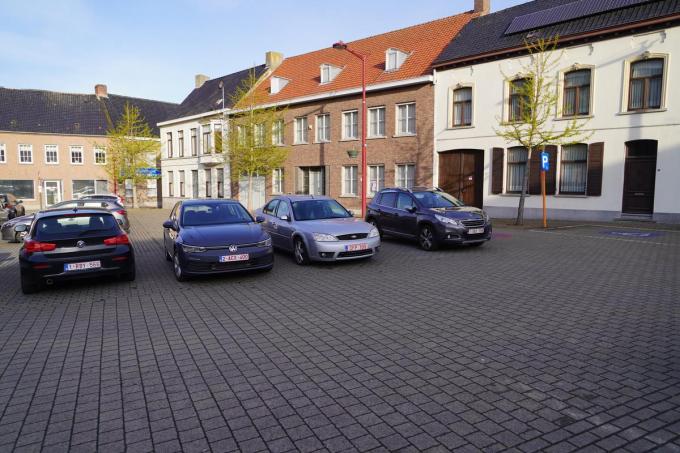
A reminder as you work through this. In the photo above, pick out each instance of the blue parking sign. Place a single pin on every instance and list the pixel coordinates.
(545, 161)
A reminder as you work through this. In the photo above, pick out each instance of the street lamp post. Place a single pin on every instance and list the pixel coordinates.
(342, 46)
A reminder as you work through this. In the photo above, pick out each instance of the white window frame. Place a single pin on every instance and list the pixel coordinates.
(345, 115)
(54, 148)
(371, 179)
(28, 148)
(297, 139)
(277, 181)
(328, 73)
(472, 105)
(276, 84)
(94, 153)
(278, 137)
(259, 135)
(397, 116)
(3, 153)
(559, 114)
(73, 148)
(371, 111)
(353, 178)
(400, 58)
(326, 119)
(626, 82)
(397, 177)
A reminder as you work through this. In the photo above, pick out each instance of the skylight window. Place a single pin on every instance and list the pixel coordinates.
(277, 84)
(329, 72)
(394, 58)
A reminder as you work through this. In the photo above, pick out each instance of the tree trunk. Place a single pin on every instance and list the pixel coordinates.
(525, 188)
(250, 192)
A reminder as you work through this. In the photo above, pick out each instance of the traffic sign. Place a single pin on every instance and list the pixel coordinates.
(150, 171)
(545, 161)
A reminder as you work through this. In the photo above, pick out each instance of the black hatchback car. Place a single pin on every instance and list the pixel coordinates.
(215, 236)
(431, 216)
(73, 244)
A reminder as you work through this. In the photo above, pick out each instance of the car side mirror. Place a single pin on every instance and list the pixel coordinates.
(351, 213)
(21, 228)
(285, 218)
(412, 209)
(169, 224)
(259, 219)
(120, 222)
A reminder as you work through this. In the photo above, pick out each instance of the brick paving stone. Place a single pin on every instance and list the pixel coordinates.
(552, 341)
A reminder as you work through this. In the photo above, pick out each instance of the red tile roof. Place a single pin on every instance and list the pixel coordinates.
(423, 42)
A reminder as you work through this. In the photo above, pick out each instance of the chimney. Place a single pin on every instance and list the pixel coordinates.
(100, 91)
(273, 59)
(483, 7)
(200, 79)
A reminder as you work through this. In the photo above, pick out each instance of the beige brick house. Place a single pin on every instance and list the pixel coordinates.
(53, 145)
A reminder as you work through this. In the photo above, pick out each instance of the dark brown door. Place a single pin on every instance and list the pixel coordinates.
(461, 175)
(639, 177)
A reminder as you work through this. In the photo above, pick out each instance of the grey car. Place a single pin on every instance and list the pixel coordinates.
(7, 230)
(318, 229)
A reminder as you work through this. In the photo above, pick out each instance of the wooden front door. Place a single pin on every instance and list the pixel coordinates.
(639, 177)
(461, 173)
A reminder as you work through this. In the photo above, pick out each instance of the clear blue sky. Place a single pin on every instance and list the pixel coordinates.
(154, 49)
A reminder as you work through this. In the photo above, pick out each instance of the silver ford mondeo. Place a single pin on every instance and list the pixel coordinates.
(317, 228)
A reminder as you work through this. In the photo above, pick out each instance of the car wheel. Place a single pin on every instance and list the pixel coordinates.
(427, 239)
(28, 285)
(300, 252)
(129, 276)
(374, 222)
(177, 267)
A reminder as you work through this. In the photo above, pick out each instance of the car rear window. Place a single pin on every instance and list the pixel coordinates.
(75, 225)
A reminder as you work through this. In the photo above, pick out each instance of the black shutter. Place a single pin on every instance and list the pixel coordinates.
(595, 156)
(535, 172)
(497, 157)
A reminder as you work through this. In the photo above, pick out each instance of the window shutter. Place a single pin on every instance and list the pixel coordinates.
(551, 175)
(327, 180)
(497, 157)
(535, 172)
(595, 156)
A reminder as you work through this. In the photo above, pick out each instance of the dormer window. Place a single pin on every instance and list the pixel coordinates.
(329, 72)
(277, 84)
(394, 58)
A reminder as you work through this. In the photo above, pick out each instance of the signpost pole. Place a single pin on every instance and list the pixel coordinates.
(545, 166)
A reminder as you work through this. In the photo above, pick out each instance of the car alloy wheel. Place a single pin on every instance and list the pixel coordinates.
(426, 238)
(177, 267)
(300, 252)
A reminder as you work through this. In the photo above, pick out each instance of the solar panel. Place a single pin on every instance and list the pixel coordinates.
(566, 12)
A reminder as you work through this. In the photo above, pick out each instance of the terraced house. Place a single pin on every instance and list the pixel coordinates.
(618, 61)
(53, 145)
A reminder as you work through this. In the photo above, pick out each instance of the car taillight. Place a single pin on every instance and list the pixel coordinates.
(122, 212)
(37, 246)
(121, 239)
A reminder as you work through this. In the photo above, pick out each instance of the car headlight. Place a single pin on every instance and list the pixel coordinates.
(266, 243)
(374, 233)
(192, 249)
(447, 220)
(323, 237)
(486, 216)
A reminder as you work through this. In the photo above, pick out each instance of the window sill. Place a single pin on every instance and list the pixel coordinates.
(349, 139)
(564, 195)
(455, 128)
(300, 143)
(635, 112)
(321, 142)
(569, 118)
(25, 163)
(377, 137)
(403, 135)
(348, 196)
(51, 163)
(513, 195)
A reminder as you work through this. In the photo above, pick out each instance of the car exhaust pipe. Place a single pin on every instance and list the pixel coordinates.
(49, 281)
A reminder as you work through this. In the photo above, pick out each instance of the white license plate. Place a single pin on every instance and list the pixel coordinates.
(476, 231)
(82, 266)
(355, 247)
(232, 258)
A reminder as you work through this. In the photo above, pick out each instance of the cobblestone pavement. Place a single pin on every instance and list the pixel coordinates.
(539, 341)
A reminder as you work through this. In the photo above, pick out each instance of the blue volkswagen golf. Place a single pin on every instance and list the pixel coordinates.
(213, 237)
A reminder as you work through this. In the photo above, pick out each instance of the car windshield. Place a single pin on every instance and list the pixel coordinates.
(214, 214)
(319, 209)
(433, 199)
(68, 226)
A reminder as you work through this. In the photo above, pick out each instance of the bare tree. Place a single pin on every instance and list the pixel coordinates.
(533, 107)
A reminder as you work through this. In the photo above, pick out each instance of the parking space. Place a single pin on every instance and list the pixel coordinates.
(538, 341)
